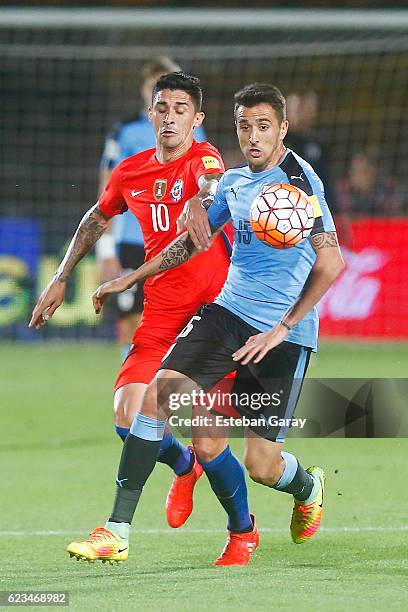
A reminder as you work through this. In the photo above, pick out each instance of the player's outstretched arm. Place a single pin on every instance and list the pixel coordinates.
(327, 267)
(176, 253)
(90, 229)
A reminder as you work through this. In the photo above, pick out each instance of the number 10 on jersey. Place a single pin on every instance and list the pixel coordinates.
(160, 217)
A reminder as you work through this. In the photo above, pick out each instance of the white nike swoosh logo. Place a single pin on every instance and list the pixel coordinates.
(135, 193)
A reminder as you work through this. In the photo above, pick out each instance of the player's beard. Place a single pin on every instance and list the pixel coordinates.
(276, 155)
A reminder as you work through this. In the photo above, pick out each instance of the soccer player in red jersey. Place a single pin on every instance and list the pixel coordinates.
(156, 185)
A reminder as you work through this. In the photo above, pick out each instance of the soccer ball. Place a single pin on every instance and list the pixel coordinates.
(281, 216)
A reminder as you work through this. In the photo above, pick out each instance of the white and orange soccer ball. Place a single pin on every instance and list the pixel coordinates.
(281, 216)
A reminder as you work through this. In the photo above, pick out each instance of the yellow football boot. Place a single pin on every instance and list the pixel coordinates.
(306, 518)
(102, 544)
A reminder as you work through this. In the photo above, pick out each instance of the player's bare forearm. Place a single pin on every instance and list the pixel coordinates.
(194, 217)
(90, 229)
(328, 265)
(175, 254)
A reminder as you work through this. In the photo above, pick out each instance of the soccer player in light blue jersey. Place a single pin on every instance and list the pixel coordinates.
(263, 324)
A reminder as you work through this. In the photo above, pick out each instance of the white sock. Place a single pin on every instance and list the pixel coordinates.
(122, 530)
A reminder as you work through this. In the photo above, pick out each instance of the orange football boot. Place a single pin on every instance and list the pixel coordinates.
(239, 547)
(179, 502)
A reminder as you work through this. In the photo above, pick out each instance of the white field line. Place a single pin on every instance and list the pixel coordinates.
(12, 534)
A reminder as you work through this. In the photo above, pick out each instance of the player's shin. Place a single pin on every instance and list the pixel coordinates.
(174, 454)
(139, 456)
(227, 479)
(294, 478)
(111, 543)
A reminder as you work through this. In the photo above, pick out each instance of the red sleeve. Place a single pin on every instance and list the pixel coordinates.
(112, 201)
(207, 160)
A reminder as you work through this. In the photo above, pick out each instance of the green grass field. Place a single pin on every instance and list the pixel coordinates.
(58, 461)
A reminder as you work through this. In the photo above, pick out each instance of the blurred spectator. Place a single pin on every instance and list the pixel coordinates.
(302, 111)
(366, 190)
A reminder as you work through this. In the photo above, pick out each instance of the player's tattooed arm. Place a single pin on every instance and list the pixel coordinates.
(328, 265)
(194, 217)
(324, 240)
(91, 227)
(181, 250)
(176, 253)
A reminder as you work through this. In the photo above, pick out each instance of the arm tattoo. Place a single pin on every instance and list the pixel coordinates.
(89, 231)
(324, 240)
(176, 253)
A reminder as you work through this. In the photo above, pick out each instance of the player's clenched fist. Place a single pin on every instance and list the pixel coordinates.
(48, 302)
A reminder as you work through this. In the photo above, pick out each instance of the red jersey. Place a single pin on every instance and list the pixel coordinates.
(156, 194)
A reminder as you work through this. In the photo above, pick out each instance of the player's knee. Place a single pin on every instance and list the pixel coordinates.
(206, 449)
(123, 418)
(149, 405)
(127, 402)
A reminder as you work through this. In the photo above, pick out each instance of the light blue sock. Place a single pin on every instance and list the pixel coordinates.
(289, 471)
(294, 479)
(147, 428)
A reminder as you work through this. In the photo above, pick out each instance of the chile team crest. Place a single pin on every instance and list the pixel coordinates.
(177, 190)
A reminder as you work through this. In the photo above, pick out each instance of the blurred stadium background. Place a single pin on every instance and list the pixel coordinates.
(66, 75)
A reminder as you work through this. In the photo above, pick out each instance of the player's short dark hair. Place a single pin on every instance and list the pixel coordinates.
(185, 82)
(157, 66)
(258, 93)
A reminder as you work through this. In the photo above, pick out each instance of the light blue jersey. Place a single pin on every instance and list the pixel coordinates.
(124, 140)
(263, 282)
